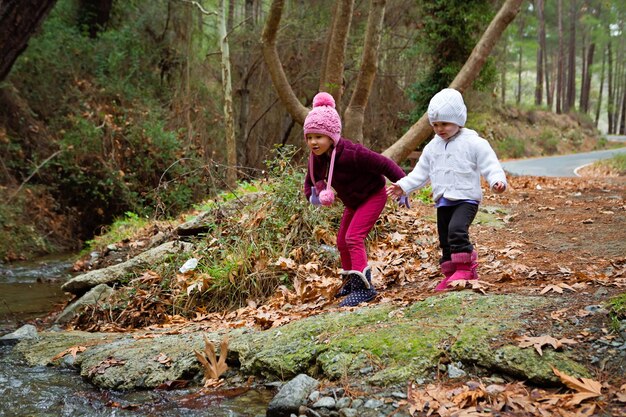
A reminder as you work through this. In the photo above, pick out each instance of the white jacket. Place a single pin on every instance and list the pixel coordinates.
(454, 167)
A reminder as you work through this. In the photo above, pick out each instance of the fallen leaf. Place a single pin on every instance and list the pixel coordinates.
(586, 388)
(74, 350)
(539, 342)
(212, 366)
(557, 288)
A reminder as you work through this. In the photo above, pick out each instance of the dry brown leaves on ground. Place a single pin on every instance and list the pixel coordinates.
(475, 399)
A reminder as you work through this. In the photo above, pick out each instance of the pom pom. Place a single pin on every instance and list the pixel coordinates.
(327, 197)
(323, 99)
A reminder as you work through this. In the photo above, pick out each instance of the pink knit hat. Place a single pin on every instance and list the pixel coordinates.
(323, 118)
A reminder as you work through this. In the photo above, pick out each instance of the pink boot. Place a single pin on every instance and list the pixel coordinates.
(474, 265)
(447, 269)
(463, 262)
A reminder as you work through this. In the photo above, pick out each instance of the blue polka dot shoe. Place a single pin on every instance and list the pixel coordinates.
(346, 285)
(362, 289)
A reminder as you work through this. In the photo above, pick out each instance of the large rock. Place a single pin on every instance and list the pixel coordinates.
(383, 345)
(82, 283)
(97, 294)
(28, 331)
(291, 396)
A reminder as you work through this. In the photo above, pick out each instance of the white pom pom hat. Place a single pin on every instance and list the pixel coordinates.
(447, 106)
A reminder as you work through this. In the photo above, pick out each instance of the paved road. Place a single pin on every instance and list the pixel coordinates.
(557, 166)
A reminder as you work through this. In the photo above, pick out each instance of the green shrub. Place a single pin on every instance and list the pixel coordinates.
(509, 147)
(617, 164)
(122, 228)
(617, 311)
(548, 141)
(248, 232)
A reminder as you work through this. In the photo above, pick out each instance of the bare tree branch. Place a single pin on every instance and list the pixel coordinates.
(421, 130)
(355, 113)
(272, 60)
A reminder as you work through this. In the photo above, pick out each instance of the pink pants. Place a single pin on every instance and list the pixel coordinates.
(354, 228)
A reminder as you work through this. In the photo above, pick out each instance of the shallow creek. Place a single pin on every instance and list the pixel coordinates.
(28, 292)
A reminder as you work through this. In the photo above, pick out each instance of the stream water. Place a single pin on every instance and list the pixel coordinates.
(28, 292)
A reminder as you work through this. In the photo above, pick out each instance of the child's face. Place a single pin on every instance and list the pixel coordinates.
(318, 144)
(445, 129)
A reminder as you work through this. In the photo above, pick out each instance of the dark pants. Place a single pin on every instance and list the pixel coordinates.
(453, 224)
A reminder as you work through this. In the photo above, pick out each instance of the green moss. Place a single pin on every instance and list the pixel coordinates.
(393, 348)
(528, 364)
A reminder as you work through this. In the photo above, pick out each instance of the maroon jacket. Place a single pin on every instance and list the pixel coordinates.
(359, 172)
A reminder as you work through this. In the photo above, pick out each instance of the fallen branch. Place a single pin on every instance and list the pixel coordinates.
(33, 174)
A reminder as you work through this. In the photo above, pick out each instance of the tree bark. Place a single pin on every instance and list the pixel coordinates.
(601, 89)
(231, 144)
(354, 116)
(333, 70)
(622, 125)
(520, 54)
(275, 68)
(610, 101)
(335, 57)
(560, 78)
(421, 130)
(586, 86)
(540, 52)
(245, 72)
(329, 36)
(19, 19)
(571, 60)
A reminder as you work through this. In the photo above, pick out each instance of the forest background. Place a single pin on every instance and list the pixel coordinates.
(141, 109)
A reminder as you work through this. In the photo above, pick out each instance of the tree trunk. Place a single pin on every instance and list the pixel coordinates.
(187, 105)
(421, 130)
(518, 96)
(586, 86)
(231, 144)
(268, 43)
(571, 61)
(244, 79)
(19, 19)
(333, 73)
(560, 77)
(541, 35)
(583, 70)
(503, 67)
(333, 70)
(622, 125)
(355, 113)
(610, 101)
(329, 37)
(599, 104)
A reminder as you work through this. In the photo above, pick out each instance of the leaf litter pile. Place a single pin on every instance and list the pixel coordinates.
(543, 237)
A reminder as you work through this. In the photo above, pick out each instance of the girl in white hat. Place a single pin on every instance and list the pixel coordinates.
(453, 162)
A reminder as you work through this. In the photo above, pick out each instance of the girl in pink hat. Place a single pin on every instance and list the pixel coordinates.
(453, 162)
(357, 175)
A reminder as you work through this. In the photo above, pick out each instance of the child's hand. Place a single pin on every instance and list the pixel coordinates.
(394, 191)
(499, 187)
(403, 201)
